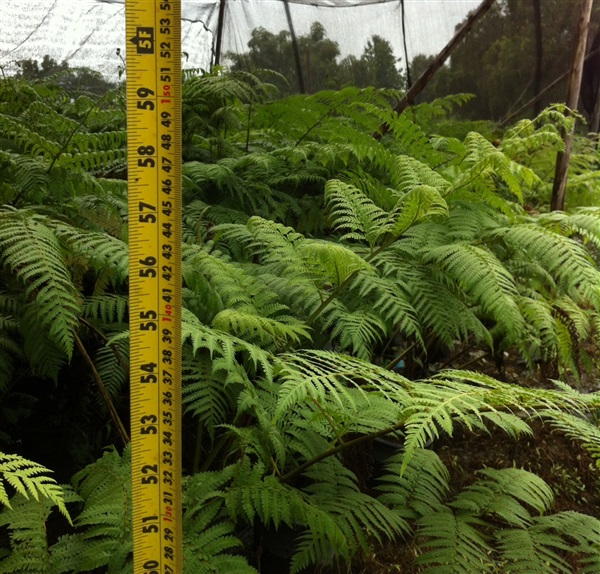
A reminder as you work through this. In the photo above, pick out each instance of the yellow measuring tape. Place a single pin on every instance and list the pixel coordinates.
(154, 172)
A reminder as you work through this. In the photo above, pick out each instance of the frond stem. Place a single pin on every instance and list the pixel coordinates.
(474, 360)
(73, 132)
(103, 391)
(112, 346)
(330, 452)
(391, 339)
(311, 128)
(322, 306)
(329, 420)
(454, 357)
(400, 356)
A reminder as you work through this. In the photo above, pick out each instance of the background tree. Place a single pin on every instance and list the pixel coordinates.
(376, 67)
(319, 58)
(71, 79)
(497, 61)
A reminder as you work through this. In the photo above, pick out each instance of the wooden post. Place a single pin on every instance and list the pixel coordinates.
(562, 158)
(539, 54)
(295, 48)
(437, 63)
(406, 62)
(220, 32)
(595, 122)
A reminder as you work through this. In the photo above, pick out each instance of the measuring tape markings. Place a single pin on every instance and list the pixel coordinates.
(154, 165)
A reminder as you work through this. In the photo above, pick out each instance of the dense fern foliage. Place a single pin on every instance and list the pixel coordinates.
(329, 280)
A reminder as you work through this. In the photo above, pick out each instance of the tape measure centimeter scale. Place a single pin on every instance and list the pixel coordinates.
(153, 30)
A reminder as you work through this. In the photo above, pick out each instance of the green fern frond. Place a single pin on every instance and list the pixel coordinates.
(331, 262)
(108, 308)
(359, 329)
(483, 161)
(584, 222)
(419, 489)
(277, 332)
(353, 212)
(506, 493)
(103, 537)
(27, 140)
(109, 364)
(418, 204)
(26, 176)
(441, 310)
(452, 544)
(222, 345)
(29, 479)
(324, 376)
(208, 541)
(26, 524)
(102, 211)
(409, 173)
(577, 428)
(411, 140)
(532, 550)
(45, 357)
(565, 259)
(391, 299)
(206, 393)
(483, 277)
(101, 250)
(579, 528)
(32, 251)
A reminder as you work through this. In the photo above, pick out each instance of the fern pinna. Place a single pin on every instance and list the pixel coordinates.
(325, 274)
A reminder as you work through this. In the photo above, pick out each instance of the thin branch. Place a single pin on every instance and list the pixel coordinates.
(326, 114)
(391, 339)
(472, 361)
(539, 96)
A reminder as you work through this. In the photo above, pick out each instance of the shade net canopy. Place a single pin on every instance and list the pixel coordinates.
(511, 54)
(87, 33)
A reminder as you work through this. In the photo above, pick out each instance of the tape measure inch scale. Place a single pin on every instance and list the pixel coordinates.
(153, 29)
